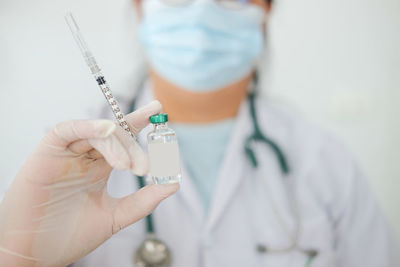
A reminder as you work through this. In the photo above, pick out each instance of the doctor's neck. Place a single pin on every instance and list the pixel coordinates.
(185, 106)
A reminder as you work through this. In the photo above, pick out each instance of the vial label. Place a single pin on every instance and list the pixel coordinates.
(164, 159)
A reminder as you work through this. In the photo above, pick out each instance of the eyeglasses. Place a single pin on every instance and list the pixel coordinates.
(230, 4)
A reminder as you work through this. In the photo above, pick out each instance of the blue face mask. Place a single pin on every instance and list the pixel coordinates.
(201, 46)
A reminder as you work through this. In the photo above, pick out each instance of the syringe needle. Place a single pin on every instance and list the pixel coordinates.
(96, 71)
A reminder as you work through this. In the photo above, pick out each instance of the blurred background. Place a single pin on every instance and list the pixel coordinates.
(335, 62)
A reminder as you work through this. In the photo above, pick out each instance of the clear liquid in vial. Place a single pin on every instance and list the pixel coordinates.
(163, 152)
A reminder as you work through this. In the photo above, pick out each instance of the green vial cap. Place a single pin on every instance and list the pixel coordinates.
(159, 118)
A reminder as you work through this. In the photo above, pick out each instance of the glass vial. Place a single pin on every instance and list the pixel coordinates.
(163, 150)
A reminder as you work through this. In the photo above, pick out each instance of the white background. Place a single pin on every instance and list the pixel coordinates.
(336, 62)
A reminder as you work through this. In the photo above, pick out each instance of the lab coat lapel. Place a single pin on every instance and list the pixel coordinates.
(232, 169)
(189, 196)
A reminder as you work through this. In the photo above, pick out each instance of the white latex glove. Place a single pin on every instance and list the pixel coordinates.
(58, 210)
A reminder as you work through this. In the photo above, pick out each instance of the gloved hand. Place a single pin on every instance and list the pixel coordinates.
(58, 210)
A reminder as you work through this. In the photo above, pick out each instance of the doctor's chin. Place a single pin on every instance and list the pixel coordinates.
(200, 133)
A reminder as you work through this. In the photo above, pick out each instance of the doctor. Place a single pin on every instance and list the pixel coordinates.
(260, 186)
(311, 207)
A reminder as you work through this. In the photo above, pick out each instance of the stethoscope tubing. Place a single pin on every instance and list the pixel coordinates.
(258, 136)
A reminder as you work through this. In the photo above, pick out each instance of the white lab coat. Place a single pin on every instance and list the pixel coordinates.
(339, 216)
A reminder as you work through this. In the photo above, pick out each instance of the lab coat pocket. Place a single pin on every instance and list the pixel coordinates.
(315, 234)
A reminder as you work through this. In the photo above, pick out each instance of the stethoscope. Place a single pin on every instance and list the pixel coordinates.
(154, 252)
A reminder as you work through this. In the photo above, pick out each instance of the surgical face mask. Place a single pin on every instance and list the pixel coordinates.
(201, 46)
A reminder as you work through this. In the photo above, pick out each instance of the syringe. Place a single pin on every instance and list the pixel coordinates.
(96, 71)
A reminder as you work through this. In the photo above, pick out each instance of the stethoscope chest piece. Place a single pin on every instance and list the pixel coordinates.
(153, 253)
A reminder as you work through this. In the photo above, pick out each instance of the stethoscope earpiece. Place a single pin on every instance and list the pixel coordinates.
(312, 253)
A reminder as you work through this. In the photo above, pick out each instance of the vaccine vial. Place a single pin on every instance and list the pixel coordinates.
(163, 150)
